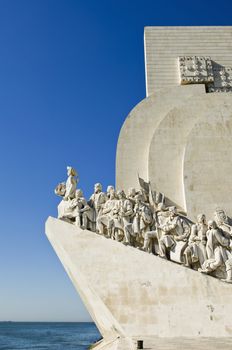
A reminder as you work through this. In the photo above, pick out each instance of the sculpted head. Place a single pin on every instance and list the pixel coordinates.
(110, 188)
(212, 224)
(143, 194)
(97, 187)
(131, 192)
(71, 171)
(172, 211)
(79, 193)
(121, 194)
(138, 198)
(220, 216)
(201, 219)
(112, 194)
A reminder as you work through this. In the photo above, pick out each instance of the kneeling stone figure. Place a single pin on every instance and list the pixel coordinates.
(218, 250)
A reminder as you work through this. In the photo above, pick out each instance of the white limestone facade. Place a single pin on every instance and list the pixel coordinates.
(179, 136)
(163, 46)
(134, 295)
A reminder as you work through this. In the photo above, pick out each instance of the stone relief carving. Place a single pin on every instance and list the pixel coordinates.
(138, 220)
(195, 69)
(67, 190)
(201, 69)
(218, 250)
(222, 79)
(223, 221)
(195, 252)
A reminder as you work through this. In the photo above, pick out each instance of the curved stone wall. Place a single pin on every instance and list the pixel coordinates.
(138, 129)
(181, 143)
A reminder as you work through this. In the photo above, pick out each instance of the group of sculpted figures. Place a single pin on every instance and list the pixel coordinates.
(142, 220)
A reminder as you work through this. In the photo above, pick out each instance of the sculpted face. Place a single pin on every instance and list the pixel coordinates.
(221, 216)
(112, 194)
(121, 194)
(138, 198)
(71, 171)
(201, 219)
(109, 190)
(212, 224)
(79, 193)
(131, 192)
(97, 187)
(173, 211)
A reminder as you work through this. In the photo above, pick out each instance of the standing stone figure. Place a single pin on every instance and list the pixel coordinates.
(67, 191)
(131, 195)
(71, 183)
(142, 219)
(196, 250)
(79, 205)
(105, 219)
(108, 190)
(223, 222)
(96, 203)
(133, 222)
(125, 212)
(174, 231)
(159, 219)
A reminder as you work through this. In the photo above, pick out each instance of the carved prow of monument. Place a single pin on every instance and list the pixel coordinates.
(132, 294)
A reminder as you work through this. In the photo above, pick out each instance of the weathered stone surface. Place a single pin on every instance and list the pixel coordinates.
(195, 70)
(130, 293)
(179, 139)
(163, 46)
(179, 143)
(138, 129)
(155, 343)
(195, 141)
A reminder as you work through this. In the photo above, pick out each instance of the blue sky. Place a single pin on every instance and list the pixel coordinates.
(70, 72)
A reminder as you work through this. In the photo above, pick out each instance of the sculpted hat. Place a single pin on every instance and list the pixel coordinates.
(160, 206)
(121, 192)
(73, 172)
(173, 209)
(79, 192)
(98, 185)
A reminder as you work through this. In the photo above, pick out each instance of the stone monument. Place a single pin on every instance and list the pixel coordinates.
(152, 258)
